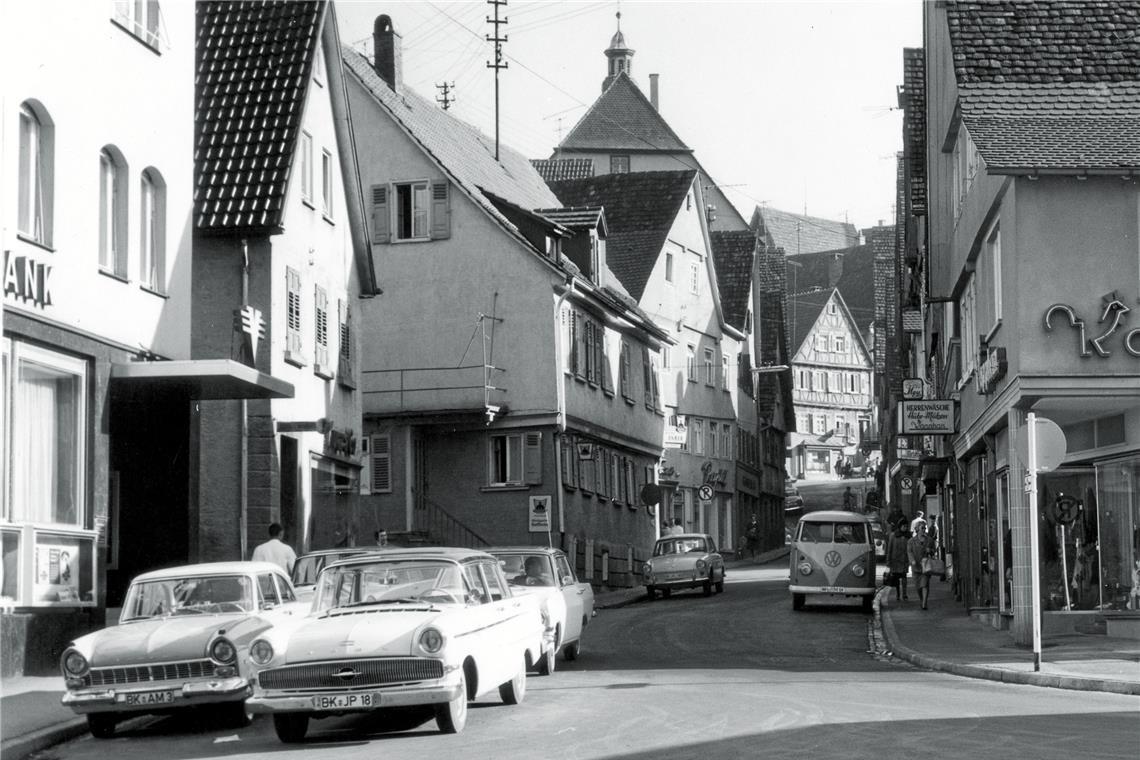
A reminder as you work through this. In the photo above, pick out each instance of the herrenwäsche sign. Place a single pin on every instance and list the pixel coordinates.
(928, 416)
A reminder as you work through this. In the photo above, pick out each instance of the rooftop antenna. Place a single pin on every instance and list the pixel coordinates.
(446, 94)
(499, 62)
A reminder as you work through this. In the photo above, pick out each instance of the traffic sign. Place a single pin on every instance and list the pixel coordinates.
(906, 483)
(705, 493)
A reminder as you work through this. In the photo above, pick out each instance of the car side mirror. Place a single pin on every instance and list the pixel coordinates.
(567, 580)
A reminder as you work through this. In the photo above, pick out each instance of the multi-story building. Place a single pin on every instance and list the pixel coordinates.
(1026, 265)
(97, 176)
(799, 233)
(831, 381)
(507, 397)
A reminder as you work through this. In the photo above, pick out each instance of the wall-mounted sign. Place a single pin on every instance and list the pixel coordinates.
(705, 493)
(713, 476)
(27, 279)
(675, 437)
(538, 515)
(904, 453)
(913, 388)
(1111, 316)
(585, 451)
(929, 417)
(340, 442)
(990, 371)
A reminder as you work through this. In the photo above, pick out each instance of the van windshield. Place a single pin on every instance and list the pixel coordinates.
(833, 533)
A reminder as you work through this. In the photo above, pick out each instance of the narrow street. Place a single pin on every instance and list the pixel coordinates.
(730, 676)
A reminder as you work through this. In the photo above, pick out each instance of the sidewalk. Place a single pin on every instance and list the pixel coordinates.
(31, 717)
(943, 637)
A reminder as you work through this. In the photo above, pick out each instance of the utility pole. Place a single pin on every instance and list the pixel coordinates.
(499, 62)
(445, 98)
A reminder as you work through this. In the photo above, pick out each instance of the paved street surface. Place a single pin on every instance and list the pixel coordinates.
(737, 675)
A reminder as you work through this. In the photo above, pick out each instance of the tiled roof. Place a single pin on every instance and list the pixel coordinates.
(576, 218)
(804, 309)
(465, 153)
(856, 280)
(556, 169)
(253, 66)
(733, 256)
(1049, 85)
(640, 209)
(622, 118)
(798, 233)
(1056, 41)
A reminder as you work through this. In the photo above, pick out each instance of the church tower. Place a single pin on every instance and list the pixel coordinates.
(620, 57)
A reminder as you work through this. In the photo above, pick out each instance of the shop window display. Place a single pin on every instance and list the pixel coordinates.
(1070, 566)
(1119, 511)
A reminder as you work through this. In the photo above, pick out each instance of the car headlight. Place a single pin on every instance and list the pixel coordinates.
(431, 641)
(74, 664)
(804, 568)
(701, 566)
(223, 652)
(261, 652)
(858, 570)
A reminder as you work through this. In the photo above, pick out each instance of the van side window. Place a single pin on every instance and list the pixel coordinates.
(850, 533)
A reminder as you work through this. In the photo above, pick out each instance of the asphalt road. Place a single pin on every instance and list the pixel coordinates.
(737, 675)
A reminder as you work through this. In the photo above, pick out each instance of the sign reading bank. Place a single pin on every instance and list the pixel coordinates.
(27, 279)
(927, 417)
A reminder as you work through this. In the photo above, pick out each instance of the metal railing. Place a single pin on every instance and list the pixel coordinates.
(444, 528)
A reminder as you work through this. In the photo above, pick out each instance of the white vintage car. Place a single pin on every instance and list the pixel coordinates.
(681, 561)
(308, 567)
(430, 626)
(547, 573)
(180, 637)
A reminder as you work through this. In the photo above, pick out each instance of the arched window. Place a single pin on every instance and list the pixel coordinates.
(112, 212)
(35, 192)
(152, 223)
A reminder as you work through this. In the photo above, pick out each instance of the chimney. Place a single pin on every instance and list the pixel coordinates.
(386, 52)
(834, 270)
(653, 91)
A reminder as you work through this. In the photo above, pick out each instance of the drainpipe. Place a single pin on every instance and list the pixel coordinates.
(243, 520)
(560, 386)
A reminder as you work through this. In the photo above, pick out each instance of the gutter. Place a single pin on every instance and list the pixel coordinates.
(560, 422)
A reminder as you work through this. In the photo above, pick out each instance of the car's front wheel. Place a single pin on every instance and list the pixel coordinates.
(102, 725)
(291, 727)
(451, 716)
(572, 651)
(514, 690)
(720, 586)
(547, 661)
(651, 593)
(708, 586)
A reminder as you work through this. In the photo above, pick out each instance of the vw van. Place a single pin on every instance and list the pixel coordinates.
(833, 553)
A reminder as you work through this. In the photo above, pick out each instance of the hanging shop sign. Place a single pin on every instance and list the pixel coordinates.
(913, 388)
(990, 371)
(340, 442)
(929, 417)
(27, 280)
(1112, 314)
(903, 450)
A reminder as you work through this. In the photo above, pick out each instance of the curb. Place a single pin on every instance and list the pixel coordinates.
(21, 746)
(1074, 683)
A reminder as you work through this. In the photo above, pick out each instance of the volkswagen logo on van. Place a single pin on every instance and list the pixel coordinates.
(832, 559)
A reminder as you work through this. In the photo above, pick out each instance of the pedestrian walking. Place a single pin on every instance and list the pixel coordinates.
(897, 562)
(895, 519)
(275, 550)
(917, 549)
(919, 517)
(849, 500)
(752, 533)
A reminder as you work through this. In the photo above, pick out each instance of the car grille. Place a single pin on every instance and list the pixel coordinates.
(168, 671)
(351, 673)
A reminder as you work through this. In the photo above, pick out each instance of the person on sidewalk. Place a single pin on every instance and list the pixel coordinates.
(849, 500)
(897, 562)
(895, 519)
(752, 533)
(275, 550)
(919, 517)
(917, 548)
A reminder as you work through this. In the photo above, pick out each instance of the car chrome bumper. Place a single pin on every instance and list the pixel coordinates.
(839, 590)
(438, 692)
(90, 700)
(678, 583)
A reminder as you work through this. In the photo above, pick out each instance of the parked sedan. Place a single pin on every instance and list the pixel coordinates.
(180, 637)
(308, 567)
(547, 573)
(687, 560)
(430, 626)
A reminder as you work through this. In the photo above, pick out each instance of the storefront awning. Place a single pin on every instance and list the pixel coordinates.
(203, 379)
(934, 468)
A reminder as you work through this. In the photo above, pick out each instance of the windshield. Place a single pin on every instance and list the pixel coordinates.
(679, 546)
(390, 582)
(527, 569)
(306, 568)
(833, 533)
(198, 595)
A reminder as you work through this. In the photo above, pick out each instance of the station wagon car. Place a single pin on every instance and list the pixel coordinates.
(178, 643)
(399, 627)
(682, 561)
(547, 573)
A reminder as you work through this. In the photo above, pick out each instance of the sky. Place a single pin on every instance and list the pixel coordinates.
(786, 104)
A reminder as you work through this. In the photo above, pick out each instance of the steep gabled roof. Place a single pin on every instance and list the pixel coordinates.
(461, 150)
(640, 209)
(799, 233)
(622, 118)
(806, 308)
(1053, 86)
(254, 61)
(557, 169)
(734, 254)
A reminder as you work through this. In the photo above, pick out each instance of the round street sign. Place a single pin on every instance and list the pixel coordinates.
(650, 494)
(1051, 444)
(705, 493)
(906, 483)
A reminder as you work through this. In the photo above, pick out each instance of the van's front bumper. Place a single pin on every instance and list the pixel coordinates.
(844, 590)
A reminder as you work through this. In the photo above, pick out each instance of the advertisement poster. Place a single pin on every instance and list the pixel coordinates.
(539, 514)
(57, 573)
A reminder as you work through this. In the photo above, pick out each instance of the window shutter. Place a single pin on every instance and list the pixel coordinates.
(346, 354)
(293, 311)
(604, 365)
(647, 377)
(624, 371)
(381, 221)
(656, 391)
(601, 473)
(382, 463)
(320, 328)
(591, 369)
(579, 346)
(532, 458)
(440, 211)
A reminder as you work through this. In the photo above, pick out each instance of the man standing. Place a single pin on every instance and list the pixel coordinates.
(752, 534)
(275, 550)
(849, 500)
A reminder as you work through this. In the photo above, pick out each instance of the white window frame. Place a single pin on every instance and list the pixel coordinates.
(819, 424)
(113, 246)
(417, 214)
(669, 267)
(710, 359)
(993, 261)
(35, 188)
(695, 278)
(143, 19)
(822, 343)
(691, 367)
(307, 168)
(152, 231)
(327, 185)
(508, 480)
(968, 328)
(697, 428)
(840, 344)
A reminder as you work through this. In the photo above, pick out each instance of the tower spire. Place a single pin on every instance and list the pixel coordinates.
(620, 57)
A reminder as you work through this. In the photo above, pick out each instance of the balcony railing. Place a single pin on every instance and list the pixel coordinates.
(432, 389)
